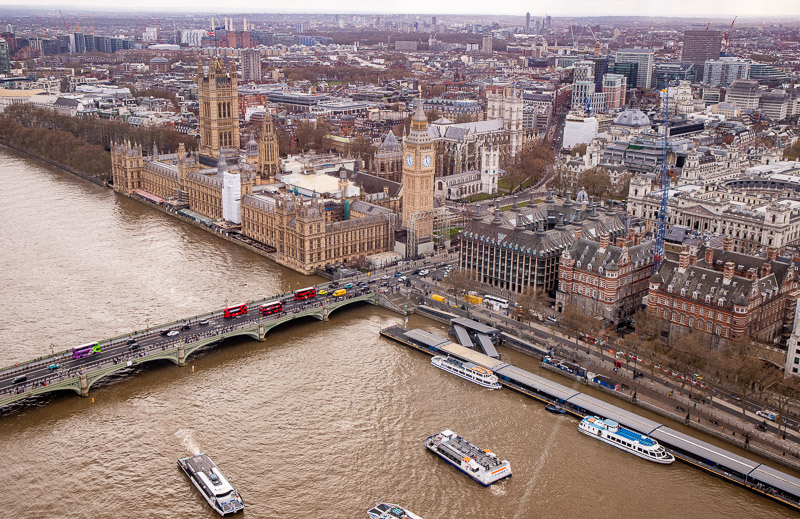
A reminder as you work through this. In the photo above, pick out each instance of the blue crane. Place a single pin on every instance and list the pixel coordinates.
(661, 222)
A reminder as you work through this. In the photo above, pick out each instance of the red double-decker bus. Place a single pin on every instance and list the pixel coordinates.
(235, 311)
(305, 293)
(273, 307)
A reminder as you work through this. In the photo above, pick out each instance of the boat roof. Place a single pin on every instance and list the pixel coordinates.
(777, 479)
(625, 418)
(456, 350)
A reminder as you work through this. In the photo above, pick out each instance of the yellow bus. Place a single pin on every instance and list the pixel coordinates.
(340, 292)
(475, 300)
(437, 297)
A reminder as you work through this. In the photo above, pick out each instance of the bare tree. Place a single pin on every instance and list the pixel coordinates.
(744, 369)
(534, 301)
(785, 392)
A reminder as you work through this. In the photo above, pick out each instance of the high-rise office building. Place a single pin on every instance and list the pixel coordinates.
(643, 58)
(251, 65)
(725, 70)
(5, 62)
(701, 46)
(629, 70)
(486, 44)
(527, 23)
(583, 83)
(744, 93)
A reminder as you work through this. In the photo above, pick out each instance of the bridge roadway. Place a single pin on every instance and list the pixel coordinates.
(117, 355)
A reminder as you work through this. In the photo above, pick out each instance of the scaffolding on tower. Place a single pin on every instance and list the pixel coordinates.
(661, 221)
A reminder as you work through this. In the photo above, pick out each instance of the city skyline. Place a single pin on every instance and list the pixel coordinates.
(579, 9)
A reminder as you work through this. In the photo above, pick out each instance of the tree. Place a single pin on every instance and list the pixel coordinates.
(687, 356)
(743, 368)
(647, 341)
(530, 163)
(575, 320)
(534, 301)
(595, 182)
(362, 148)
(459, 283)
(785, 392)
(558, 182)
(578, 149)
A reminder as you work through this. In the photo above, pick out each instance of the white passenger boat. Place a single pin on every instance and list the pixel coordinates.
(212, 484)
(611, 433)
(390, 511)
(482, 465)
(467, 370)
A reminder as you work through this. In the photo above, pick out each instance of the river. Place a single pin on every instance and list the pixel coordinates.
(321, 420)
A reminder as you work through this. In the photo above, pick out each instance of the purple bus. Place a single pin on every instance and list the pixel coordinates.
(85, 350)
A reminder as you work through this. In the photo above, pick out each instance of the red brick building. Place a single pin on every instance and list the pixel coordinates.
(604, 279)
(725, 295)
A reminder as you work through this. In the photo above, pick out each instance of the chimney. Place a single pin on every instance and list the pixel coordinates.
(772, 253)
(709, 257)
(577, 234)
(692, 256)
(727, 244)
(730, 267)
(766, 268)
(637, 238)
(604, 240)
(683, 262)
(620, 242)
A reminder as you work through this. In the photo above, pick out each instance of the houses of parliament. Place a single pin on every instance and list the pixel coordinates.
(236, 191)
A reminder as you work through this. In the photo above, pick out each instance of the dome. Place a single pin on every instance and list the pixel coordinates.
(582, 196)
(632, 117)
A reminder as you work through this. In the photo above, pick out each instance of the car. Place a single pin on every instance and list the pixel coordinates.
(134, 346)
(769, 415)
(333, 284)
(131, 340)
(384, 283)
(398, 274)
(54, 366)
(204, 322)
(552, 319)
(402, 278)
(185, 327)
(164, 333)
(424, 272)
(416, 271)
(348, 285)
(386, 276)
(20, 378)
(322, 292)
(172, 333)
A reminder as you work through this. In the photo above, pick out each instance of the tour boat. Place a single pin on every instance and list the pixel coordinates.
(611, 433)
(390, 511)
(482, 465)
(212, 484)
(467, 370)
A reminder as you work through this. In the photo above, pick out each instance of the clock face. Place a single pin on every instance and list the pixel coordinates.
(426, 161)
(409, 160)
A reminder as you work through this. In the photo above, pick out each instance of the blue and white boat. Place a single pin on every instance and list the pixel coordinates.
(390, 511)
(482, 465)
(610, 432)
(467, 370)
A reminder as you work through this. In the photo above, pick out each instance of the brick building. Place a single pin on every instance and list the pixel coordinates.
(724, 294)
(603, 279)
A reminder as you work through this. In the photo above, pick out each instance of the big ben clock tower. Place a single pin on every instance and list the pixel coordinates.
(419, 166)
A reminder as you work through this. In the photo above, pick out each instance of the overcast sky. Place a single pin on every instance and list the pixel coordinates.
(573, 8)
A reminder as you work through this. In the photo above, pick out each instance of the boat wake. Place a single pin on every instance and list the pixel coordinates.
(523, 511)
(186, 436)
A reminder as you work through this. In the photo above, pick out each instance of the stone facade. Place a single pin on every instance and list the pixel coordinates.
(419, 165)
(517, 249)
(219, 108)
(311, 233)
(388, 159)
(269, 162)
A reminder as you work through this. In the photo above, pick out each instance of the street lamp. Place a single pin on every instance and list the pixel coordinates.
(147, 322)
(52, 349)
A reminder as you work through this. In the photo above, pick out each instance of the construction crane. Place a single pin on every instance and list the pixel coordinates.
(661, 221)
(728, 34)
(66, 25)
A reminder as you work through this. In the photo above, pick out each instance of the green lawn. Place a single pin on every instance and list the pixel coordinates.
(504, 183)
(480, 197)
(509, 207)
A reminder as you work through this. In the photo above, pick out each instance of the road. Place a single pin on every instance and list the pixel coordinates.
(142, 343)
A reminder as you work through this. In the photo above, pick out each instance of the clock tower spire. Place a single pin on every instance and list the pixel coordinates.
(419, 166)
